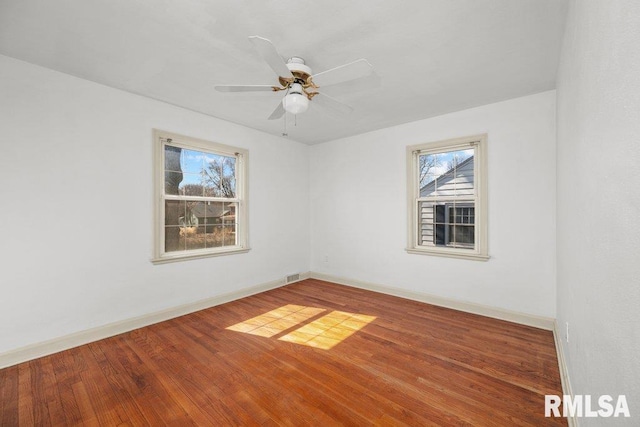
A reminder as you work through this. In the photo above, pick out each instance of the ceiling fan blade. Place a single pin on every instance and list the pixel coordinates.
(244, 88)
(343, 73)
(268, 51)
(331, 104)
(278, 112)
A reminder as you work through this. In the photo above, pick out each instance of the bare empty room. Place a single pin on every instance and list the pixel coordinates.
(416, 213)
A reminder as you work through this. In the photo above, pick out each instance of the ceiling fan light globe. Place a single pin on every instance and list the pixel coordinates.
(295, 103)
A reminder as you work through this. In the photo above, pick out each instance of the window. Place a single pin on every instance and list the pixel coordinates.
(201, 198)
(447, 198)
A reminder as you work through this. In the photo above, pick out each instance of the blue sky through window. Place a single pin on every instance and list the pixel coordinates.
(434, 165)
(194, 165)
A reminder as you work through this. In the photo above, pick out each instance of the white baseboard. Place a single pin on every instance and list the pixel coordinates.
(541, 322)
(564, 372)
(34, 351)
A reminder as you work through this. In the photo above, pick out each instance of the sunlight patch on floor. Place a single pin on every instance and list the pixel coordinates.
(328, 330)
(276, 321)
(323, 333)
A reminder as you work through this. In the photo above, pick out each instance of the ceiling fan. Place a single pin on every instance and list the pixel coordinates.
(300, 85)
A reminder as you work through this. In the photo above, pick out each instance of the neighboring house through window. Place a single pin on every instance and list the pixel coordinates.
(447, 198)
(201, 198)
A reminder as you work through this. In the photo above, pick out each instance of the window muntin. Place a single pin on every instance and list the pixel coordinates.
(202, 206)
(447, 209)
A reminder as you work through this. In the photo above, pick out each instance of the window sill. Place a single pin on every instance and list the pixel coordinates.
(197, 255)
(448, 254)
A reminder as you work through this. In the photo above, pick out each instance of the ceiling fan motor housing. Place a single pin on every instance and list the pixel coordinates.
(296, 64)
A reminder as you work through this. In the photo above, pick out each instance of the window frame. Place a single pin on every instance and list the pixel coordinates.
(480, 197)
(160, 140)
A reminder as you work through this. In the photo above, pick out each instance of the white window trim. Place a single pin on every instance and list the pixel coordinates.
(480, 253)
(242, 192)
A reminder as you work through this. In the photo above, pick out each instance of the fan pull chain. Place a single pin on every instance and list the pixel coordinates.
(284, 131)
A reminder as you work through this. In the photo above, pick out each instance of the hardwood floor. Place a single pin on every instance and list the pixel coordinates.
(413, 364)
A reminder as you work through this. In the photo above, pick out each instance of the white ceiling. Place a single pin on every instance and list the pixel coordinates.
(431, 56)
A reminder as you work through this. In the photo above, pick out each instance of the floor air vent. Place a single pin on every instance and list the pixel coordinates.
(293, 278)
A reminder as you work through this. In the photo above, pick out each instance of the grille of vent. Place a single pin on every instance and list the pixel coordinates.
(293, 278)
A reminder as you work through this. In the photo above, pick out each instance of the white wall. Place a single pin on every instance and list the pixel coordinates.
(358, 208)
(599, 200)
(76, 207)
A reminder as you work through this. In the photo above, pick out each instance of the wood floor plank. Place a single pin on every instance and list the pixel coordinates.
(9, 396)
(27, 404)
(65, 377)
(413, 364)
(47, 382)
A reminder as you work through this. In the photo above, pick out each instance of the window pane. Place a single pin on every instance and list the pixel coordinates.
(221, 235)
(173, 239)
(192, 185)
(448, 173)
(172, 158)
(429, 170)
(425, 224)
(192, 161)
(194, 237)
(463, 182)
(172, 182)
(230, 216)
(432, 230)
(439, 225)
(461, 235)
(461, 231)
(180, 224)
(229, 224)
(174, 210)
(220, 175)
